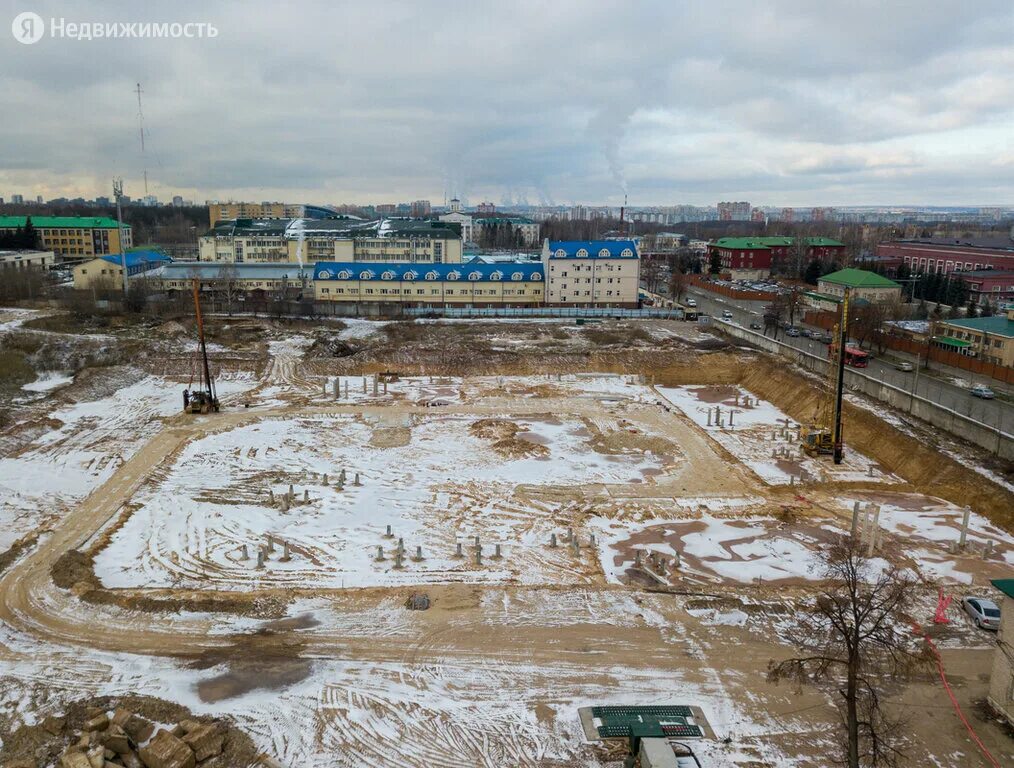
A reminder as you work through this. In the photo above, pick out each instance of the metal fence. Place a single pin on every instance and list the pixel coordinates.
(393, 311)
(522, 312)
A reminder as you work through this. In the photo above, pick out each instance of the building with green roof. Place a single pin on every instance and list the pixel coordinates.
(753, 257)
(73, 238)
(863, 284)
(991, 339)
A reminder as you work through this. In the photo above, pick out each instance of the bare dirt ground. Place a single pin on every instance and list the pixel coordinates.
(484, 430)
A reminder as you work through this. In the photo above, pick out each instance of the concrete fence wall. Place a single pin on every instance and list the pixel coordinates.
(993, 438)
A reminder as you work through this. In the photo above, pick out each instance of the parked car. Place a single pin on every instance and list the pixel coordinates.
(691, 302)
(755, 326)
(904, 366)
(981, 390)
(983, 611)
(792, 331)
(826, 338)
(726, 314)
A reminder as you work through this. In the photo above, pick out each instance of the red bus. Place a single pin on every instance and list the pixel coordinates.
(853, 356)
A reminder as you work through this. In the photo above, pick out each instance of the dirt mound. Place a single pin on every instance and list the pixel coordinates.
(493, 429)
(518, 448)
(17, 549)
(76, 570)
(626, 441)
(171, 329)
(390, 437)
(73, 568)
(505, 439)
(43, 743)
(331, 346)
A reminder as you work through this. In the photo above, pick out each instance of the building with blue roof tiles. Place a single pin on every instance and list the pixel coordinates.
(475, 283)
(106, 272)
(591, 273)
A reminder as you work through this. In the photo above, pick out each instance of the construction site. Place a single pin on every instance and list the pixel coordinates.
(450, 543)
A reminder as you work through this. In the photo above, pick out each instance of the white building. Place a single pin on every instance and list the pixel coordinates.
(457, 216)
(603, 273)
(27, 259)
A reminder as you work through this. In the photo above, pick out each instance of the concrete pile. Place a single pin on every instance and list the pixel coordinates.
(127, 740)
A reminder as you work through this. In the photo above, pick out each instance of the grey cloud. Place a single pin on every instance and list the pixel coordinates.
(389, 101)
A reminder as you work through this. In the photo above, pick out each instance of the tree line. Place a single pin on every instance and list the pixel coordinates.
(24, 238)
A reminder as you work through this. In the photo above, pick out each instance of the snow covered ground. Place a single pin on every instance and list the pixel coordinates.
(929, 526)
(12, 318)
(437, 712)
(428, 477)
(49, 381)
(86, 443)
(755, 437)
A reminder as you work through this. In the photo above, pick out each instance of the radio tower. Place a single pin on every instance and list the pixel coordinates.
(140, 126)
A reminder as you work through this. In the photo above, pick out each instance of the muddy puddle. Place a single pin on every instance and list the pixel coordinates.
(534, 437)
(268, 659)
(794, 468)
(717, 395)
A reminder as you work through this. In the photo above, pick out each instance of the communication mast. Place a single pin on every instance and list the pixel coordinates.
(118, 194)
(140, 126)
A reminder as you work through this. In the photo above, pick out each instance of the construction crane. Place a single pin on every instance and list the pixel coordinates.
(203, 399)
(823, 436)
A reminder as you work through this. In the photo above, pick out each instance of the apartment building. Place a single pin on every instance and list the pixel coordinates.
(224, 211)
(336, 239)
(603, 273)
(473, 284)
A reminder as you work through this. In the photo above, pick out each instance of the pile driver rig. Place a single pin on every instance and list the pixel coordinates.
(204, 399)
(823, 436)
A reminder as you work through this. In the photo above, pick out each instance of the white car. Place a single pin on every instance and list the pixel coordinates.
(904, 366)
(983, 612)
(726, 314)
(691, 302)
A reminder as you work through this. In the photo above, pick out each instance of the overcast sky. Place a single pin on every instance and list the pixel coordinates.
(837, 102)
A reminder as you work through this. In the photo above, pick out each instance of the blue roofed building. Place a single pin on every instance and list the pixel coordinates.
(106, 272)
(592, 273)
(469, 284)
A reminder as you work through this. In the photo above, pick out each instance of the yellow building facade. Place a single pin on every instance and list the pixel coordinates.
(73, 237)
(471, 284)
(226, 211)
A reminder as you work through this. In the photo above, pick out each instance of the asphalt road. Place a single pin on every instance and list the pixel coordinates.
(935, 386)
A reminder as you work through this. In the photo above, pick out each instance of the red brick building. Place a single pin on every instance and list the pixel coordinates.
(753, 257)
(946, 256)
(993, 285)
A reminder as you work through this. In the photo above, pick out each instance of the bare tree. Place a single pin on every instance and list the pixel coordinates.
(227, 284)
(856, 642)
(799, 255)
(794, 303)
(867, 323)
(773, 315)
(678, 282)
(652, 272)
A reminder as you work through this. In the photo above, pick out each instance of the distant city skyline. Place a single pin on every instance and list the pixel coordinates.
(413, 207)
(828, 104)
